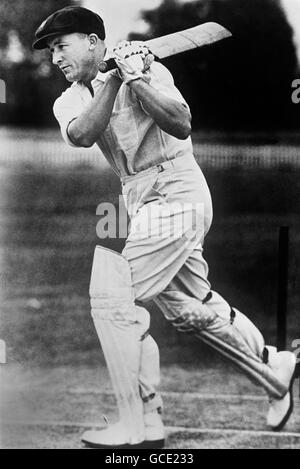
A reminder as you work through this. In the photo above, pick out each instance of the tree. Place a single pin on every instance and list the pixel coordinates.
(25, 17)
(31, 83)
(244, 82)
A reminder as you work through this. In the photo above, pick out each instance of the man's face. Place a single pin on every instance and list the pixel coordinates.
(72, 54)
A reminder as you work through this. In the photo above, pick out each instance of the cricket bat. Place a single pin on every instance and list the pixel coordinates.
(182, 41)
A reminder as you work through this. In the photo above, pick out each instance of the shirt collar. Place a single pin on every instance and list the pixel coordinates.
(101, 76)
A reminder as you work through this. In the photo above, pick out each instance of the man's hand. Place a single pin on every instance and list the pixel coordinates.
(133, 59)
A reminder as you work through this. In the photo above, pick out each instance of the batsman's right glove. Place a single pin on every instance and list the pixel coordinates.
(133, 59)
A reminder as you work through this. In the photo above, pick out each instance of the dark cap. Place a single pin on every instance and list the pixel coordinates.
(66, 21)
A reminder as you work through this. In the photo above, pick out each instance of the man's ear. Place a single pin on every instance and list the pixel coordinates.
(93, 38)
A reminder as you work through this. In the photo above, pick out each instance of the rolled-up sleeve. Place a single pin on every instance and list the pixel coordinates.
(67, 108)
(162, 80)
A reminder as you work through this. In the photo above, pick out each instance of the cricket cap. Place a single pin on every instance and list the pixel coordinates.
(69, 20)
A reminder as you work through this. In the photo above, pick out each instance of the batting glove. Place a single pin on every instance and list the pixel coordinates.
(133, 59)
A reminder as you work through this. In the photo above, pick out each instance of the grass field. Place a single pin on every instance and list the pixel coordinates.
(55, 384)
(204, 407)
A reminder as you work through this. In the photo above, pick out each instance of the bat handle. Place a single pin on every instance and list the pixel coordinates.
(110, 64)
(107, 65)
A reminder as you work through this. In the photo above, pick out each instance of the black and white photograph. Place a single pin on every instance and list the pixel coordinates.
(150, 227)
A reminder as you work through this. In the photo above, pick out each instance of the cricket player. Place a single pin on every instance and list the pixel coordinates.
(142, 125)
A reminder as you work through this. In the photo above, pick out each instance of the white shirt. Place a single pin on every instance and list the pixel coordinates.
(132, 140)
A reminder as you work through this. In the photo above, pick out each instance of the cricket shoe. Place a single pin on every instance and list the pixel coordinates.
(116, 437)
(280, 410)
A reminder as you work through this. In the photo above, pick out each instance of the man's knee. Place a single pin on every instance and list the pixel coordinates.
(187, 314)
(111, 291)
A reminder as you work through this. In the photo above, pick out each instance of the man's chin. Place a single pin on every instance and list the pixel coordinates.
(70, 78)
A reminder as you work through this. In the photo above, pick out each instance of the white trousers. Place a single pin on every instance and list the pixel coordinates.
(171, 212)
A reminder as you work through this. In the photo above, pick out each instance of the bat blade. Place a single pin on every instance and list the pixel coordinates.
(182, 41)
(192, 38)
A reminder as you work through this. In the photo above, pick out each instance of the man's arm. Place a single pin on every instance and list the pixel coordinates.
(85, 130)
(172, 116)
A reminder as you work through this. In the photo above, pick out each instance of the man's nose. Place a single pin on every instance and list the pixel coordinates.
(56, 57)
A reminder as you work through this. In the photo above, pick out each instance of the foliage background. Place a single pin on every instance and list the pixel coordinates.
(243, 83)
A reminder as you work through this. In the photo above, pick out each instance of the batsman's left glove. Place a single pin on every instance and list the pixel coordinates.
(133, 59)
